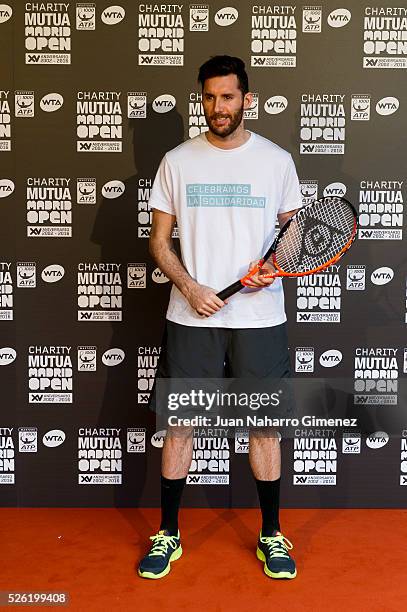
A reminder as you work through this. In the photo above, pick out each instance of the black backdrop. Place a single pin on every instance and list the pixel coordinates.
(91, 97)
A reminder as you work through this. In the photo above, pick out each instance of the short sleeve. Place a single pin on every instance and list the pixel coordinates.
(291, 193)
(162, 192)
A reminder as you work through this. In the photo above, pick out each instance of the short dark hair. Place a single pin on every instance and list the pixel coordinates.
(222, 65)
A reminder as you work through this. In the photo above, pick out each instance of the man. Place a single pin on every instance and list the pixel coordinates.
(224, 188)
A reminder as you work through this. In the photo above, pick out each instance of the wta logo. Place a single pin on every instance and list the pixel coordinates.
(51, 102)
(54, 438)
(113, 15)
(113, 357)
(164, 103)
(338, 18)
(382, 276)
(158, 438)
(275, 105)
(7, 355)
(113, 189)
(330, 358)
(6, 188)
(226, 16)
(52, 273)
(5, 12)
(387, 106)
(377, 440)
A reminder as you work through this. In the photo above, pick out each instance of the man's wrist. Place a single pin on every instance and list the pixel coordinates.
(187, 287)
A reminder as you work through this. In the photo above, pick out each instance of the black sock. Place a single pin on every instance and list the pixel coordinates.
(171, 491)
(269, 497)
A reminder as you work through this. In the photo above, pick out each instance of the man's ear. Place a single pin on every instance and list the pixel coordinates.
(247, 100)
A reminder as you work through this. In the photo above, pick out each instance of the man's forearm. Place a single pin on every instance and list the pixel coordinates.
(169, 263)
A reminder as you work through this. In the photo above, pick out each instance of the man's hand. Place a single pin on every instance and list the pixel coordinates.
(203, 299)
(258, 280)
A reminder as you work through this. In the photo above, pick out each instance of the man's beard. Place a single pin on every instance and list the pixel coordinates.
(223, 131)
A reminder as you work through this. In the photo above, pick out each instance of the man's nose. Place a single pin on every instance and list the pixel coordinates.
(219, 105)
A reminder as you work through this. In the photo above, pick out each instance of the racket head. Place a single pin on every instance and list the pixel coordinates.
(317, 236)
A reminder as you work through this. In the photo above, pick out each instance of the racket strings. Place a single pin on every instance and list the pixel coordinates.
(315, 236)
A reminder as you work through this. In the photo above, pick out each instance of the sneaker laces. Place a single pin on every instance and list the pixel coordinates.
(277, 545)
(161, 543)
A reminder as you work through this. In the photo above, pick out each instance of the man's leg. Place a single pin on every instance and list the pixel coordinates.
(262, 354)
(175, 464)
(265, 461)
(187, 352)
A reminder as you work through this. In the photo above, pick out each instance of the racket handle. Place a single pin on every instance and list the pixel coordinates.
(231, 290)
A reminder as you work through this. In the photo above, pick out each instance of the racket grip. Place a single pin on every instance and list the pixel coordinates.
(231, 290)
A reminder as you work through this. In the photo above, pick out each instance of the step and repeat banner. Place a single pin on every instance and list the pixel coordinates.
(91, 97)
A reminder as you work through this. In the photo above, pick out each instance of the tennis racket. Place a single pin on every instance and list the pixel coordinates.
(314, 238)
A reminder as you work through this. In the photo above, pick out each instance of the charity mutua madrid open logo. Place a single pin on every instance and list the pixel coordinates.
(381, 209)
(376, 376)
(273, 36)
(99, 292)
(210, 461)
(47, 30)
(99, 456)
(322, 124)
(50, 374)
(319, 297)
(315, 461)
(384, 37)
(160, 35)
(49, 207)
(99, 121)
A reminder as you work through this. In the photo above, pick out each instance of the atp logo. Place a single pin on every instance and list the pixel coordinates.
(136, 275)
(355, 277)
(199, 18)
(85, 16)
(304, 359)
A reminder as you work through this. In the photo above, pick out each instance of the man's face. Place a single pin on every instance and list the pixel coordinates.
(223, 103)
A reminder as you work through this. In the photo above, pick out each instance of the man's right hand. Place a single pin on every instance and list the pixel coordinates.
(203, 299)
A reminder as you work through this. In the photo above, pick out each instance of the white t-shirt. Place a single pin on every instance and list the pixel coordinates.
(226, 203)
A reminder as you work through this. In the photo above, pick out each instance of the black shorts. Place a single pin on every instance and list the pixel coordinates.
(245, 355)
(215, 352)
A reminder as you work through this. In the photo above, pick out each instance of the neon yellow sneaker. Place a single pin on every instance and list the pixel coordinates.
(272, 550)
(157, 563)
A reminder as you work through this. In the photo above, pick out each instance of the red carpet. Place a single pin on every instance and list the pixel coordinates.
(346, 559)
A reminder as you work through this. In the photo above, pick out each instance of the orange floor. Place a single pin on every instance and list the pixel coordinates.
(348, 560)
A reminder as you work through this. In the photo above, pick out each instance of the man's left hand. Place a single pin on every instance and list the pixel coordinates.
(258, 280)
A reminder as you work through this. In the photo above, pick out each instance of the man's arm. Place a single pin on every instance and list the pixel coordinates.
(202, 299)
